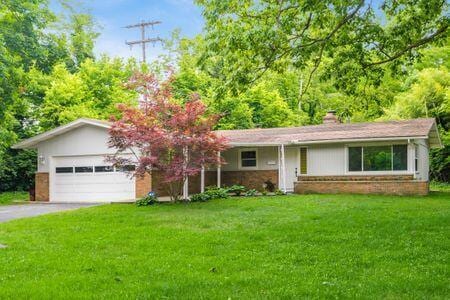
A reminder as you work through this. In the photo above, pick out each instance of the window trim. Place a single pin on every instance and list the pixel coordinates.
(103, 166)
(85, 166)
(416, 159)
(240, 158)
(73, 170)
(362, 172)
(300, 160)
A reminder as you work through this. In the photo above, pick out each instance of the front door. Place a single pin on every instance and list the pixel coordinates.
(292, 163)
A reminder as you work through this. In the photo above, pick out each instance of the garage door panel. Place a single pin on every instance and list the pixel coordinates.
(88, 187)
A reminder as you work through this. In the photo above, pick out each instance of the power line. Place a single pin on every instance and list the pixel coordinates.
(144, 40)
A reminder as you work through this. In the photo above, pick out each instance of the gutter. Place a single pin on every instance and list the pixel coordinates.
(294, 142)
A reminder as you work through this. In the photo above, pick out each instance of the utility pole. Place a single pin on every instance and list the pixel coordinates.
(143, 41)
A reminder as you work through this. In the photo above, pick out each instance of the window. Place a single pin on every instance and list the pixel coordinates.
(84, 169)
(416, 159)
(400, 157)
(355, 159)
(248, 158)
(303, 161)
(103, 169)
(62, 170)
(378, 158)
(126, 168)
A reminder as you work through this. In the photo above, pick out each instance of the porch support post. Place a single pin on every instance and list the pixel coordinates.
(279, 168)
(202, 179)
(185, 177)
(283, 168)
(186, 188)
(218, 170)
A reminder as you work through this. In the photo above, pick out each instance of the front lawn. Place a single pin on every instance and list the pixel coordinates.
(316, 246)
(13, 197)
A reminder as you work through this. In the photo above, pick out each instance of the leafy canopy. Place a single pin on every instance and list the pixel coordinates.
(175, 139)
(249, 37)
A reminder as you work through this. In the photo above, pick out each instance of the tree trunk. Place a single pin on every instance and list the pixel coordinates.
(174, 190)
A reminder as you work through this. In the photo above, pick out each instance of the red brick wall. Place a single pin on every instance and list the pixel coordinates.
(251, 179)
(356, 178)
(42, 187)
(143, 185)
(388, 187)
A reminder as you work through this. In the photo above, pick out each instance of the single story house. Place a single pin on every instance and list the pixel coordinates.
(375, 157)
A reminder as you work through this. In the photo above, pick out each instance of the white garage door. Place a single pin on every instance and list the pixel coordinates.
(89, 179)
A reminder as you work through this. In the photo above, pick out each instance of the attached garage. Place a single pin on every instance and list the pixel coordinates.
(71, 166)
(89, 178)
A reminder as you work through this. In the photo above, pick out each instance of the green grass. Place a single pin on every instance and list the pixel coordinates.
(315, 246)
(440, 186)
(13, 197)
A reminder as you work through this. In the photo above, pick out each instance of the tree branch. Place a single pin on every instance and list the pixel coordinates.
(414, 45)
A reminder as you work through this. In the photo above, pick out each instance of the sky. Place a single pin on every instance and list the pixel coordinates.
(113, 15)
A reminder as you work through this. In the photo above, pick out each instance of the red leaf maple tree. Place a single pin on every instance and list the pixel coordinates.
(165, 135)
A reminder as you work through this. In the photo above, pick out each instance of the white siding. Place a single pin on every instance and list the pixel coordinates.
(423, 163)
(329, 159)
(86, 140)
(326, 160)
(265, 157)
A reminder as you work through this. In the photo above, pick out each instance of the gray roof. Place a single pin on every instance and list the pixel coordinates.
(325, 133)
(416, 128)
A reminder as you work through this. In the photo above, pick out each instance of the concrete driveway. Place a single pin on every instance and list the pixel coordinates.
(11, 212)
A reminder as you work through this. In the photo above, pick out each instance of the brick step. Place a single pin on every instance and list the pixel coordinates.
(357, 178)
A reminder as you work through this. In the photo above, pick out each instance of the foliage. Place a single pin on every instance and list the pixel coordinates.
(279, 192)
(440, 164)
(269, 186)
(13, 197)
(147, 200)
(93, 92)
(106, 250)
(248, 38)
(428, 95)
(440, 186)
(175, 139)
(32, 41)
(251, 193)
(217, 193)
(237, 189)
(201, 197)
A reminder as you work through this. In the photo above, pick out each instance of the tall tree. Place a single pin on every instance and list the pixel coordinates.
(94, 91)
(176, 140)
(252, 36)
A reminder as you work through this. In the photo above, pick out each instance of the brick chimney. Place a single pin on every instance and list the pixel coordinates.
(330, 118)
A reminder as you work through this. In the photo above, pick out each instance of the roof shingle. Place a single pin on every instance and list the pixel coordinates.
(330, 132)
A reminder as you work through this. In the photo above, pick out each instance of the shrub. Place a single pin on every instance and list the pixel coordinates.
(279, 192)
(264, 192)
(236, 189)
(250, 193)
(216, 193)
(270, 186)
(201, 197)
(147, 200)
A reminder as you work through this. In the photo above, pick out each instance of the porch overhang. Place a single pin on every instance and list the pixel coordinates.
(333, 141)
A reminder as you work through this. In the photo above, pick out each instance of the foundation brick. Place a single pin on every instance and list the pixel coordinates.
(42, 187)
(387, 187)
(250, 179)
(143, 185)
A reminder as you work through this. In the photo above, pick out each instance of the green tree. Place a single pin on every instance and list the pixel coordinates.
(251, 37)
(93, 92)
(429, 96)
